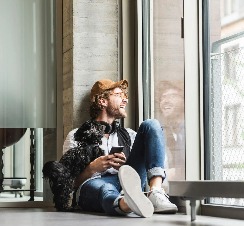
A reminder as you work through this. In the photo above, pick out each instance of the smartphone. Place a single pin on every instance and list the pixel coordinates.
(117, 149)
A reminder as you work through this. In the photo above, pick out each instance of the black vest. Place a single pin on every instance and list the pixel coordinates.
(124, 140)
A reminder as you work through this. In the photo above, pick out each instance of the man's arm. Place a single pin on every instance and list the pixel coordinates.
(99, 165)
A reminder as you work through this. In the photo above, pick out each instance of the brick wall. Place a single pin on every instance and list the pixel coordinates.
(90, 52)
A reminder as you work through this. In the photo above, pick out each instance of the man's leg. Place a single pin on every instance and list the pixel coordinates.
(148, 152)
(100, 194)
(147, 158)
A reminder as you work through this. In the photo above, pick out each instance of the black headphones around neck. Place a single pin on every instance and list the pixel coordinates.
(109, 128)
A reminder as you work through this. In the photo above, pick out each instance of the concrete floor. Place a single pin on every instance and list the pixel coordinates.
(49, 217)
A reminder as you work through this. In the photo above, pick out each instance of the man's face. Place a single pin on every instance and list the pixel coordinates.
(172, 103)
(117, 102)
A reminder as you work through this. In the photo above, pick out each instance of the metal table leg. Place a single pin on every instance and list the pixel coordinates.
(193, 209)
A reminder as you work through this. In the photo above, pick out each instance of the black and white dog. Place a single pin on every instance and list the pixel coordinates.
(62, 174)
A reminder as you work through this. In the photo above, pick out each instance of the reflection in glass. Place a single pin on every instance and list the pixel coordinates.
(168, 68)
(171, 101)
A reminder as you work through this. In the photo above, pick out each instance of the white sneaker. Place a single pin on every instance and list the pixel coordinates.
(133, 195)
(160, 201)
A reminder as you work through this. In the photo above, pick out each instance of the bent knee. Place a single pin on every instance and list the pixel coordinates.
(151, 123)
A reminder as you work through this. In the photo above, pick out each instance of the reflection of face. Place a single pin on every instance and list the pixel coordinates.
(116, 104)
(172, 104)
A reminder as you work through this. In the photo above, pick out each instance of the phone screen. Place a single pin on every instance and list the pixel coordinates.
(117, 149)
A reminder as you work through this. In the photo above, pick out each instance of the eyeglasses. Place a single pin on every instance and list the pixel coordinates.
(122, 95)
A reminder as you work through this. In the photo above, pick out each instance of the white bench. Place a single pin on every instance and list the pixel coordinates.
(198, 190)
(15, 183)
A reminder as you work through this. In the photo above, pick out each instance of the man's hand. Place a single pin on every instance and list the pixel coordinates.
(117, 160)
(101, 163)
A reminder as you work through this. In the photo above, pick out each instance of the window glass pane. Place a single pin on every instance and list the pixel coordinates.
(168, 58)
(27, 62)
(226, 100)
(27, 95)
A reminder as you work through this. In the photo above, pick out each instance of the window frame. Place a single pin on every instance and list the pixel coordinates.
(207, 208)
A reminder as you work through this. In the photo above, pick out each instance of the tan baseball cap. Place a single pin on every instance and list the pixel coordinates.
(105, 84)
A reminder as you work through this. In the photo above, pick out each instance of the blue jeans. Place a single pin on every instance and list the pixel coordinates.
(146, 157)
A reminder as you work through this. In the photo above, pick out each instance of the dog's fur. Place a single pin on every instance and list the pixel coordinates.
(62, 174)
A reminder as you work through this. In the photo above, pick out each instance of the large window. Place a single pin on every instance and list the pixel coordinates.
(28, 64)
(224, 94)
(168, 65)
(163, 77)
(27, 95)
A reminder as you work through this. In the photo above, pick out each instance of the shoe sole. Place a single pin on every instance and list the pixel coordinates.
(166, 210)
(135, 198)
